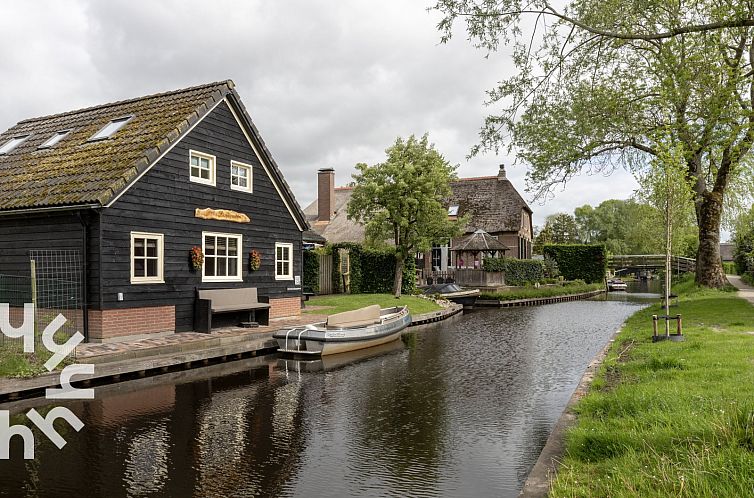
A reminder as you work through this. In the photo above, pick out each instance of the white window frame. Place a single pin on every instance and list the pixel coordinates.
(239, 257)
(11, 144)
(55, 139)
(247, 167)
(115, 126)
(160, 278)
(289, 246)
(212, 169)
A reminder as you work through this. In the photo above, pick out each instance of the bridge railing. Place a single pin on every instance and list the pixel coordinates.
(650, 261)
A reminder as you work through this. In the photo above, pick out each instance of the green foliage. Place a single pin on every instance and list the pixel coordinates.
(311, 270)
(372, 271)
(517, 271)
(743, 238)
(564, 289)
(730, 268)
(560, 228)
(579, 261)
(403, 199)
(336, 303)
(585, 99)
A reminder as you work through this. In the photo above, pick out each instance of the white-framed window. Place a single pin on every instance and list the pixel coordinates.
(222, 257)
(283, 261)
(202, 168)
(53, 140)
(110, 128)
(147, 258)
(240, 176)
(12, 144)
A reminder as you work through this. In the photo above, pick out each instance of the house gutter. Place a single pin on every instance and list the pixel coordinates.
(73, 207)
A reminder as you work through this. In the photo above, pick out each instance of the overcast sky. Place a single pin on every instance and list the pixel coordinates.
(328, 83)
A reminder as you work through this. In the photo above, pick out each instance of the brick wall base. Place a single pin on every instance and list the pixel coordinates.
(285, 306)
(107, 324)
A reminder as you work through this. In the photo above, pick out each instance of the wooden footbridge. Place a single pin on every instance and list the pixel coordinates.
(642, 263)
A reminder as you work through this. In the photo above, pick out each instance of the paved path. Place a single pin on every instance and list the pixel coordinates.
(87, 351)
(744, 290)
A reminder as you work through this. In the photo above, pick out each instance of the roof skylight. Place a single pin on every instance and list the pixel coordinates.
(453, 211)
(110, 128)
(57, 137)
(12, 144)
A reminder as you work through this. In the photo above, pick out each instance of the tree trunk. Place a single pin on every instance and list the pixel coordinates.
(398, 282)
(709, 266)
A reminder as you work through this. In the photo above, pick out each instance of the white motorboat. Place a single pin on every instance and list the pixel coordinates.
(616, 284)
(347, 331)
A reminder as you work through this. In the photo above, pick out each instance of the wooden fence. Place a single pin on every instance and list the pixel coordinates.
(325, 274)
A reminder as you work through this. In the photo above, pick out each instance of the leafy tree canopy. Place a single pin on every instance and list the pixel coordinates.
(404, 199)
(608, 84)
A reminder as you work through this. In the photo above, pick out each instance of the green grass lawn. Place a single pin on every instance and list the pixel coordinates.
(670, 419)
(533, 292)
(346, 302)
(15, 363)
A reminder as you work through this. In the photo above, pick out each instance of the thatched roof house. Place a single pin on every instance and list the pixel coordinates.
(492, 202)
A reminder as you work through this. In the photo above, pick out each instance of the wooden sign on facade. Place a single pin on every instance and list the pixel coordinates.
(222, 215)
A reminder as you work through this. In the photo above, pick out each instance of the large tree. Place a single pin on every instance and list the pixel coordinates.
(607, 83)
(404, 200)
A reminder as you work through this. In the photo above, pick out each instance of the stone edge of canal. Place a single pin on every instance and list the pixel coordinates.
(537, 483)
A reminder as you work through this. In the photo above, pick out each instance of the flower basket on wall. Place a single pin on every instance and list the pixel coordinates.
(255, 260)
(197, 258)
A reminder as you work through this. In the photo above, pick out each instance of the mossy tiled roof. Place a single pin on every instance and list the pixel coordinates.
(77, 171)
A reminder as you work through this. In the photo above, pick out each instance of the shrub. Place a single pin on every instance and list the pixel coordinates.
(730, 268)
(579, 261)
(311, 270)
(517, 271)
(371, 271)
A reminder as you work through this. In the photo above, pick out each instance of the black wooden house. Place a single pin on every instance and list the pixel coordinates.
(131, 189)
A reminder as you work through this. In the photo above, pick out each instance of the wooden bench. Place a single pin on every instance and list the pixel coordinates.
(210, 302)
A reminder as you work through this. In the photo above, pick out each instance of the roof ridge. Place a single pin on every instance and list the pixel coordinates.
(227, 82)
(471, 178)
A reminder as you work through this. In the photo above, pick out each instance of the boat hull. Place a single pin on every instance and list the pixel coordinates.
(318, 340)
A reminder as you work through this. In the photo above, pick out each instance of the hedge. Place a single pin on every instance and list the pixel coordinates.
(371, 271)
(517, 271)
(579, 261)
(311, 271)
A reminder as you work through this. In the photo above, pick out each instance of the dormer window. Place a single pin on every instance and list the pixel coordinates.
(12, 144)
(53, 140)
(110, 128)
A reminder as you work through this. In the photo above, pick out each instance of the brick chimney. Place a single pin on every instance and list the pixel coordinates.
(501, 173)
(325, 194)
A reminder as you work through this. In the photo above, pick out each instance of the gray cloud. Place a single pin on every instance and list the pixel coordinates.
(328, 83)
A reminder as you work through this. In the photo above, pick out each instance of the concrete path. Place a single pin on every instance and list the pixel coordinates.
(744, 290)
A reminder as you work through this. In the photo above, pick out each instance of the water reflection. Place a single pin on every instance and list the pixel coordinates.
(461, 409)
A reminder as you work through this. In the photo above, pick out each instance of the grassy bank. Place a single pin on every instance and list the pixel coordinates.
(337, 303)
(15, 363)
(532, 292)
(670, 419)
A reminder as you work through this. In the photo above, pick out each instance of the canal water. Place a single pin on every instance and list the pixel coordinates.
(462, 409)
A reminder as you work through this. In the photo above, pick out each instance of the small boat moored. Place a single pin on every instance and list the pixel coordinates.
(347, 331)
(452, 292)
(616, 284)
